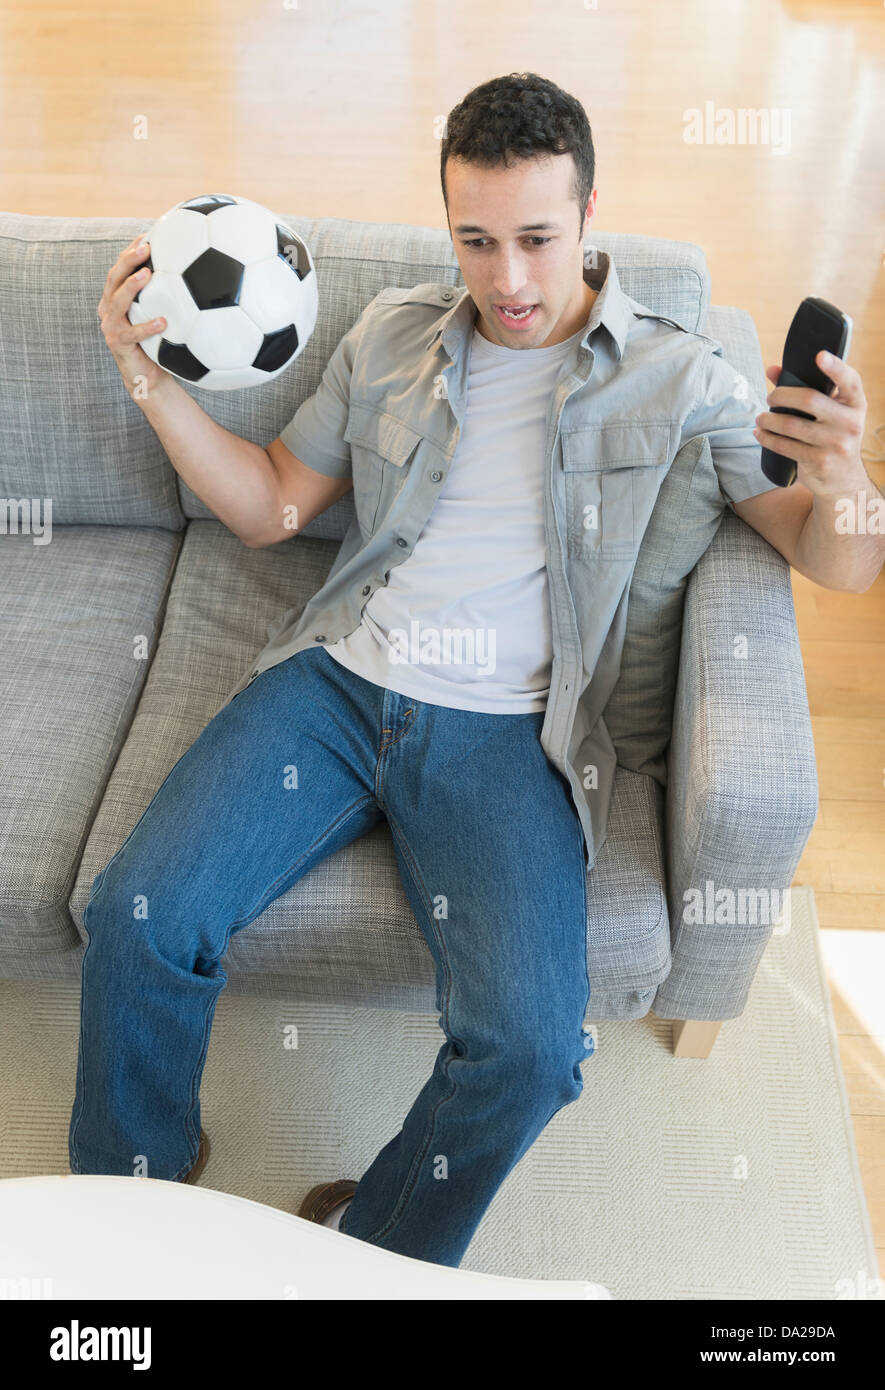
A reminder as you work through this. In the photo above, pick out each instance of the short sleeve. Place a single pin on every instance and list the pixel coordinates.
(315, 434)
(725, 411)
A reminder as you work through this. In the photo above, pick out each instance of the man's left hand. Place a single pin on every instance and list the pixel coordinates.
(826, 449)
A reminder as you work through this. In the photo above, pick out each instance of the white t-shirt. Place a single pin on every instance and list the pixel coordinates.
(466, 617)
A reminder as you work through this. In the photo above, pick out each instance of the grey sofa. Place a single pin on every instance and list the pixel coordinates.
(121, 636)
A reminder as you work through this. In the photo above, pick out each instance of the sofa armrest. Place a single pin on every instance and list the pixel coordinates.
(742, 789)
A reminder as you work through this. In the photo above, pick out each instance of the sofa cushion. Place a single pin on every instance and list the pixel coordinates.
(80, 623)
(346, 928)
(68, 428)
(345, 932)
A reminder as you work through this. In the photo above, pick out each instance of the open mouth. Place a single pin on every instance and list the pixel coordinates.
(516, 316)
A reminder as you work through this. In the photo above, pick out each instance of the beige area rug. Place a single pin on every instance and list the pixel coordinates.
(726, 1178)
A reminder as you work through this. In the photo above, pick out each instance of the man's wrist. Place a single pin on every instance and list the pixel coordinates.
(146, 395)
(852, 481)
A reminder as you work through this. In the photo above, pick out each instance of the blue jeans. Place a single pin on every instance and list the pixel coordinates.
(490, 853)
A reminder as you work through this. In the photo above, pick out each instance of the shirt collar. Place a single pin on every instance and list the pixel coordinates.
(611, 309)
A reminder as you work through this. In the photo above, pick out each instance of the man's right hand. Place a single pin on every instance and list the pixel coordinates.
(121, 336)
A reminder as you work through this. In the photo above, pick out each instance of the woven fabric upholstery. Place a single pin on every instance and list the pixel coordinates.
(91, 731)
(68, 429)
(70, 678)
(742, 793)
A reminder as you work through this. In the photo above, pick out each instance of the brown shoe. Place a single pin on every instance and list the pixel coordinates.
(324, 1198)
(202, 1157)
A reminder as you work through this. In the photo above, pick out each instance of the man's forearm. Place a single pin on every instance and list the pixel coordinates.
(234, 477)
(843, 541)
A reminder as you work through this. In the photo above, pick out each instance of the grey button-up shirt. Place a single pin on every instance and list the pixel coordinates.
(389, 412)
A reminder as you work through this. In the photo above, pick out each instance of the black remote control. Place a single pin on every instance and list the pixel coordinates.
(817, 326)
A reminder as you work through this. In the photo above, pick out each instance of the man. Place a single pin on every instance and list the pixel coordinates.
(505, 445)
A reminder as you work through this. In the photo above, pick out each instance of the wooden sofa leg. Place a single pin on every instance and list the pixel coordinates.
(693, 1037)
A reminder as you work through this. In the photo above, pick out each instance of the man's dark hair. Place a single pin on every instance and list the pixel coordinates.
(524, 116)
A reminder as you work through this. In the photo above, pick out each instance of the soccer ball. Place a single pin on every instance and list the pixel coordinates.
(237, 288)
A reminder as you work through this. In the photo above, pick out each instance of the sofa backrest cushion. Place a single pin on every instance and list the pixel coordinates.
(68, 429)
(69, 432)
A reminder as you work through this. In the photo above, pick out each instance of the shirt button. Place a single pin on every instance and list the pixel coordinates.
(435, 476)
(319, 637)
(367, 588)
(447, 294)
(400, 541)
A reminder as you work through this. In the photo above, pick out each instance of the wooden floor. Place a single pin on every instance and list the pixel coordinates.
(334, 110)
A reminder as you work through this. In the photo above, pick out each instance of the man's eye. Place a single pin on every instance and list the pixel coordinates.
(539, 241)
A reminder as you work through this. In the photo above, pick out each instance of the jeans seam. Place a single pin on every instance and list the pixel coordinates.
(583, 872)
(265, 900)
(120, 849)
(412, 1176)
(207, 1029)
(401, 735)
(341, 819)
(81, 1070)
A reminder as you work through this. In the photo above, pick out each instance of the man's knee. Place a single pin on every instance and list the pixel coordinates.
(126, 893)
(543, 1064)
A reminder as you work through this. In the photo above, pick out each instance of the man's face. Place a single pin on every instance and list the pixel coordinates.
(517, 244)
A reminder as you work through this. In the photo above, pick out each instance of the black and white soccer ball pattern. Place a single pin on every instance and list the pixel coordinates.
(237, 288)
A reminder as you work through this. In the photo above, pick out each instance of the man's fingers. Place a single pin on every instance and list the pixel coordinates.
(128, 260)
(113, 312)
(824, 408)
(789, 427)
(135, 332)
(784, 432)
(128, 333)
(122, 297)
(846, 377)
(135, 244)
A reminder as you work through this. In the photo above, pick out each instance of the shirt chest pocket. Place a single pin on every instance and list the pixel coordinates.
(381, 451)
(612, 475)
